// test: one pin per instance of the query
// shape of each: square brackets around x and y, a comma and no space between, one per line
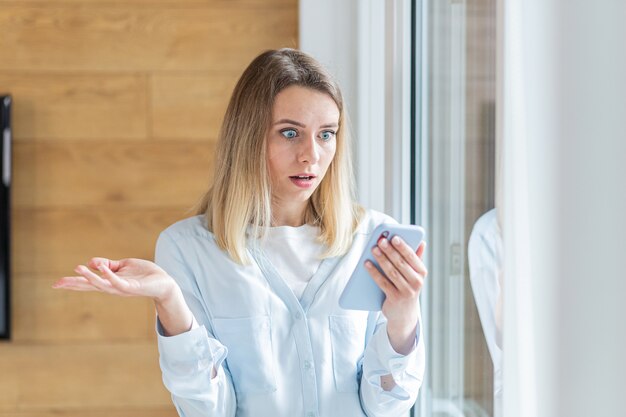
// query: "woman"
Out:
[246,292]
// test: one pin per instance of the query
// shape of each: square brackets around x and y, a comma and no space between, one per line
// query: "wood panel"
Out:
[169,411]
[189,105]
[9,393]
[259,4]
[72,376]
[117,104]
[67,316]
[140,38]
[75,106]
[68,173]
[54,240]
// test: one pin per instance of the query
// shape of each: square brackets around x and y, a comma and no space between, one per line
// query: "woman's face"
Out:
[301,143]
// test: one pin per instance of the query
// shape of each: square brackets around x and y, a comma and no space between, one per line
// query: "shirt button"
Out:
[310,414]
[307,365]
[298,316]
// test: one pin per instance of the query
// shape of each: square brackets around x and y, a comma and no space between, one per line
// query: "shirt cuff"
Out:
[393,362]
[192,348]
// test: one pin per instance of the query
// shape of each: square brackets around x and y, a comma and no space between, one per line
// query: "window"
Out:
[455,109]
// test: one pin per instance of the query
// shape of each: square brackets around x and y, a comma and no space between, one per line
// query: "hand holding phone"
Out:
[361,292]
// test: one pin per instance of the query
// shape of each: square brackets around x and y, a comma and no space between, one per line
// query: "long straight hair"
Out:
[241,194]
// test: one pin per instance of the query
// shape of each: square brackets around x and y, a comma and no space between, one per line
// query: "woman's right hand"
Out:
[134,277]
[125,277]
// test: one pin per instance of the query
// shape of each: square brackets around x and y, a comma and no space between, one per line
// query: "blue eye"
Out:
[289,133]
[327,135]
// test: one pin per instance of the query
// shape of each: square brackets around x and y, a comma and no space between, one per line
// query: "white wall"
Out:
[364,44]
[564,127]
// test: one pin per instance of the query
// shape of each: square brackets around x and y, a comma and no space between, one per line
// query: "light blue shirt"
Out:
[276,355]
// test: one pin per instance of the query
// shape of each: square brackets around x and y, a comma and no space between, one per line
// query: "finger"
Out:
[120,284]
[412,258]
[390,271]
[94,263]
[74,283]
[406,271]
[383,283]
[420,250]
[95,279]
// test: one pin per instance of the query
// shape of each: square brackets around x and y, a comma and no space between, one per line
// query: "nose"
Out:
[309,150]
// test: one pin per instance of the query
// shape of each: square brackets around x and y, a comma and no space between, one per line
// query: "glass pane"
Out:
[458,153]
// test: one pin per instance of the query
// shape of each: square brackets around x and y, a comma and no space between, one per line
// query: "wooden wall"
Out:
[117,105]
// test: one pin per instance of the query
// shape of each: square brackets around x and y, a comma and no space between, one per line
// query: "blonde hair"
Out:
[241,192]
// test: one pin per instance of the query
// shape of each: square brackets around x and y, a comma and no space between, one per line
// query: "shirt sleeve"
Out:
[187,360]
[407,371]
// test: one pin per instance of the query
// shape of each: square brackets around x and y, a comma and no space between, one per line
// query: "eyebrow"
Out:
[293,122]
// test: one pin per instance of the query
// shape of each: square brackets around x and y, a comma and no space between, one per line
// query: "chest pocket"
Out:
[250,359]
[347,335]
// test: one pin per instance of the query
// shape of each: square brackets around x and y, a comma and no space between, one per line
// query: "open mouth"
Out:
[303,181]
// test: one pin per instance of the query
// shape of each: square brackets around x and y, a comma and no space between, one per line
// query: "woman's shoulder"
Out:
[189,227]
[486,232]
[486,225]
[372,218]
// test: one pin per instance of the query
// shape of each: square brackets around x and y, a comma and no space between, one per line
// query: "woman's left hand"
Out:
[403,278]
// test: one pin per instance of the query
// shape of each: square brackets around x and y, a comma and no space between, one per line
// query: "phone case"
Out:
[361,292]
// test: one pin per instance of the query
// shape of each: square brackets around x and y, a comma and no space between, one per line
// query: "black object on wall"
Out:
[5,216]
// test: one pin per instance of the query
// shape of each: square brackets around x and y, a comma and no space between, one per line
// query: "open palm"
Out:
[124,277]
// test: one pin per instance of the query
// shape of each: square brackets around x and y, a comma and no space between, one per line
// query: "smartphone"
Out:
[362,292]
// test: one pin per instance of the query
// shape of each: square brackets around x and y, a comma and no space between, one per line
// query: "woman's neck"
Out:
[288,216]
